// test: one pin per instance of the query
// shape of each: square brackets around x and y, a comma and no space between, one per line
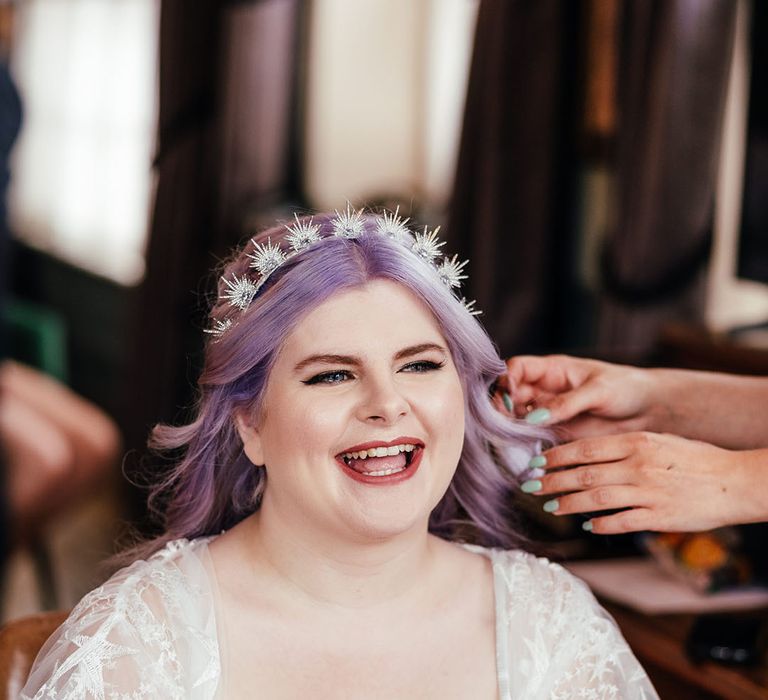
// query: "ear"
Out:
[251,439]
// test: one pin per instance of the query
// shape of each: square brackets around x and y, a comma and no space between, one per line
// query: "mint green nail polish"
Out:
[531,486]
[587,526]
[551,506]
[540,415]
[507,401]
[537,462]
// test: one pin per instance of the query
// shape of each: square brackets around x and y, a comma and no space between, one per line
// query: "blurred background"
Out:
[602,163]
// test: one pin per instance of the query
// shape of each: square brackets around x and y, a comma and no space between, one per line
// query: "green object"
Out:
[531,486]
[540,415]
[551,506]
[37,337]
[537,462]
[507,401]
[587,525]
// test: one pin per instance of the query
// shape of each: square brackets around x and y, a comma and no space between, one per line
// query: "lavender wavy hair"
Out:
[214,485]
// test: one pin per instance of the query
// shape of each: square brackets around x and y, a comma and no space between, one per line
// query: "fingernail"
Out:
[531,486]
[507,401]
[537,462]
[587,525]
[551,506]
[539,415]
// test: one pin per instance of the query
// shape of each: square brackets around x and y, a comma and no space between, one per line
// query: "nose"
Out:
[383,401]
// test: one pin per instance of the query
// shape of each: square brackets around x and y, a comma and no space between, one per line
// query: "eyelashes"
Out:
[338,376]
[421,366]
[334,377]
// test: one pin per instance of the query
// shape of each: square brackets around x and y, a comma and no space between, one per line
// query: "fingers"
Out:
[530,376]
[565,386]
[533,369]
[632,520]
[594,450]
[597,499]
[589,397]
[582,479]
[593,475]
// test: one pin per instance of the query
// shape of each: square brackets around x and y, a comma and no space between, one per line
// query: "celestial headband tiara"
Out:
[267,257]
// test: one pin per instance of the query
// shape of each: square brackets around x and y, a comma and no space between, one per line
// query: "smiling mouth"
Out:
[381,461]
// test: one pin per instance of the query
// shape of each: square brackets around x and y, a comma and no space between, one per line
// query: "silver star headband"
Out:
[268,257]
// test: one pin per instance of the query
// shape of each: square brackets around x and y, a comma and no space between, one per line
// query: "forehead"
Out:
[381,315]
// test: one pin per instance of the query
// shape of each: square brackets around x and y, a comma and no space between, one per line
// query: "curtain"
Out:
[543,148]
[511,201]
[181,227]
[225,149]
[674,64]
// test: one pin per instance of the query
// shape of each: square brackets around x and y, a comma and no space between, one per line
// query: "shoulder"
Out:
[539,589]
[136,634]
[160,586]
[559,637]
[526,578]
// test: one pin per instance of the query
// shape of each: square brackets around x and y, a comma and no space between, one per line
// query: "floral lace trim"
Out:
[122,641]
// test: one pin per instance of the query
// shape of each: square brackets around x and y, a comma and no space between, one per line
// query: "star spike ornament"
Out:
[427,245]
[219,327]
[450,271]
[266,257]
[470,307]
[348,224]
[302,234]
[240,292]
[393,225]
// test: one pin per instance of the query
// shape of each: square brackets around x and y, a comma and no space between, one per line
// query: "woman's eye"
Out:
[422,366]
[334,377]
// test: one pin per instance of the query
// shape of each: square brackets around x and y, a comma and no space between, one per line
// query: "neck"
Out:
[340,572]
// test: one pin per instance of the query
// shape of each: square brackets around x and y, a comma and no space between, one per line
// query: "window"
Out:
[81,178]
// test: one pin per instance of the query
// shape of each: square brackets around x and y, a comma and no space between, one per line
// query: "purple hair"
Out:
[215,486]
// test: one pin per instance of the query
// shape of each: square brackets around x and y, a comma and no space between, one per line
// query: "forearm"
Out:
[724,409]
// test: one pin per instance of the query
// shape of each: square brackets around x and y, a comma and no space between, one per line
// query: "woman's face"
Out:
[363,419]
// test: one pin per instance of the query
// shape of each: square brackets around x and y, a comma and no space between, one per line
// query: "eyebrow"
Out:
[330,359]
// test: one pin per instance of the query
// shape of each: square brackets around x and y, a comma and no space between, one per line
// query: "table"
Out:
[658,642]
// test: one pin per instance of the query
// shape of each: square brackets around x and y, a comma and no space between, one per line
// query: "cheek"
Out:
[298,427]
[447,410]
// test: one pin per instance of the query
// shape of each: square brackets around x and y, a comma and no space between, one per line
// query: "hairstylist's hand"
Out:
[665,483]
[586,397]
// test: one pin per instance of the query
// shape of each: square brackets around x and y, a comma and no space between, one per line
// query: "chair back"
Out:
[20,641]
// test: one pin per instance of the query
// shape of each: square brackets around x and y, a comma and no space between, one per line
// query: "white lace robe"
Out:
[150,632]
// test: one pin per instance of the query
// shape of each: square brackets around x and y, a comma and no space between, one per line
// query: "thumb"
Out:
[563,407]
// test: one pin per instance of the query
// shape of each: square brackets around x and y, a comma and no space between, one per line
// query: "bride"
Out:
[339,525]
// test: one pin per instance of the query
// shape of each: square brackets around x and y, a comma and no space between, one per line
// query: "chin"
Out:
[378,521]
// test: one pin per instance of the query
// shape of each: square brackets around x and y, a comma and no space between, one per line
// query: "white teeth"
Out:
[379,451]
[384,472]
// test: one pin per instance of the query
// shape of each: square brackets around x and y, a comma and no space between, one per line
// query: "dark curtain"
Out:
[181,229]
[673,70]
[753,243]
[512,199]
[528,140]
[227,83]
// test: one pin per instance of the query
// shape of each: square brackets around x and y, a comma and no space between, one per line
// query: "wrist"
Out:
[659,413]
[752,496]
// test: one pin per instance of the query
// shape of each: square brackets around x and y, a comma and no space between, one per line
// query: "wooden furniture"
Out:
[20,641]
[659,643]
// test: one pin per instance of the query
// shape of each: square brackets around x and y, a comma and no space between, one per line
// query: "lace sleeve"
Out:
[147,633]
[572,648]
